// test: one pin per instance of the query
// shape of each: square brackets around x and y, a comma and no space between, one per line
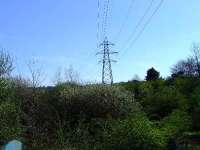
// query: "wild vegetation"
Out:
[155,114]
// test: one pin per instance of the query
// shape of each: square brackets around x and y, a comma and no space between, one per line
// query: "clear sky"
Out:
[60,33]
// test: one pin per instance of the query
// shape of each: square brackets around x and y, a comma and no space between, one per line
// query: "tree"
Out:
[189,67]
[66,75]
[196,57]
[36,73]
[6,64]
[71,75]
[184,67]
[152,74]
[58,76]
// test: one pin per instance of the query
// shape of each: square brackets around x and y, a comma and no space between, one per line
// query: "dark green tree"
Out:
[152,74]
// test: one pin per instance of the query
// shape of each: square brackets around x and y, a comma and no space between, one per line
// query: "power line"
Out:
[145,25]
[101,23]
[105,17]
[101,20]
[125,20]
[98,23]
[107,74]
[141,20]
[82,66]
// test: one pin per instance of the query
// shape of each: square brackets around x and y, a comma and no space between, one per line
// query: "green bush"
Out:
[161,102]
[71,114]
[186,85]
[93,102]
[41,122]
[196,118]
[6,90]
[176,124]
[10,126]
[86,109]
[85,136]
[195,108]
[135,132]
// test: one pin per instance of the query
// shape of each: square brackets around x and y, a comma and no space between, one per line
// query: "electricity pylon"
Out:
[107,75]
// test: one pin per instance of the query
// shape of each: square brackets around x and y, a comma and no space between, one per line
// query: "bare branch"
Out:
[71,75]
[36,72]
[6,64]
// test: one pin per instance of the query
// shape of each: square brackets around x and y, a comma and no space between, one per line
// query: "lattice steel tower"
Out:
[107,75]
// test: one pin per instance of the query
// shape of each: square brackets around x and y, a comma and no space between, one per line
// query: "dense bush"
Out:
[6,90]
[176,124]
[71,114]
[10,125]
[195,108]
[133,87]
[93,102]
[186,85]
[135,132]
[161,102]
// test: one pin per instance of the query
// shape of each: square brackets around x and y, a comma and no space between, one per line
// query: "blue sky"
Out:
[60,33]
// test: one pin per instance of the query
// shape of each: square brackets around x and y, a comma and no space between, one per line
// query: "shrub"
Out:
[6,90]
[10,126]
[186,85]
[174,126]
[93,102]
[85,136]
[176,123]
[196,118]
[135,132]
[41,122]
[71,114]
[161,102]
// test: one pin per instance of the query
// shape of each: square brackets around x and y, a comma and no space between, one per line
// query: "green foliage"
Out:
[135,132]
[86,135]
[10,126]
[41,121]
[176,124]
[6,89]
[186,85]
[195,108]
[195,96]
[162,101]
[71,114]
[132,87]
[93,102]
[134,115]
[196,118]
